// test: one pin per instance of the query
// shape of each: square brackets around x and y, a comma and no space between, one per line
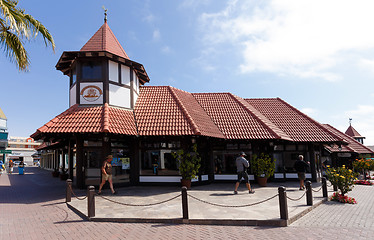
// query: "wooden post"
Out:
[184,203]
[283,203]
[68,190]
[91,201]
[324,187]
[309,195]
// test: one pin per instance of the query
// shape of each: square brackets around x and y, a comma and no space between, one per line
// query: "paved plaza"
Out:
[32,206]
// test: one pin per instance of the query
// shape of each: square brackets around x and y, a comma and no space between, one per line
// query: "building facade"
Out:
[112,112]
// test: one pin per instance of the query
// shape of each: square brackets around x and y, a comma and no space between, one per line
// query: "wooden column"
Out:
[79,158]
[134,160]
[71,160]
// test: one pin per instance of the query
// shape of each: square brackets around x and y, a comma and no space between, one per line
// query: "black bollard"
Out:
[91,202]
[283,203]
[309,195]
[68,190]
[184,203]
[335,188]
[324,187]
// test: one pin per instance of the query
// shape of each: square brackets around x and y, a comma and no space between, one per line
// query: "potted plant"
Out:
[64,174]
[55,173]
[189,165]
[262,167]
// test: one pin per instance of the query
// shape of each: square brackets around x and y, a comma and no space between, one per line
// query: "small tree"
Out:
[189,162]
[343,178]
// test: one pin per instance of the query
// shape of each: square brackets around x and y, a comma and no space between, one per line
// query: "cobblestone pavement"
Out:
[32,207]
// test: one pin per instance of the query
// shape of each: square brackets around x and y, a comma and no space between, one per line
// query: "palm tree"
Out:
[15,27]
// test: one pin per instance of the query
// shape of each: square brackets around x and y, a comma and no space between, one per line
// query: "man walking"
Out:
[241,166]
[301,167]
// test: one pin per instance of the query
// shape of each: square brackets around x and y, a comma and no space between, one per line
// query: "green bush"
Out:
[189,162]
[263,165]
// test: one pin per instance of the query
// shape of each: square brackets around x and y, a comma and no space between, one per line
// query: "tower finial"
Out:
[350,121]
[105,14]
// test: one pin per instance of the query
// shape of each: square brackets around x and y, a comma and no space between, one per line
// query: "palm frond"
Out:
[36,27]
[14,49]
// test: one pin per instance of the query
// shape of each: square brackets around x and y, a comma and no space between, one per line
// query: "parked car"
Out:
[15,163]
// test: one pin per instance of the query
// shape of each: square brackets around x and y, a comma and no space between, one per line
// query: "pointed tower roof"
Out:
[104,40]
[352,132]
[2,115]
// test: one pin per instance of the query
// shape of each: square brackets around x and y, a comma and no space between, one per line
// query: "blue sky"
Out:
[316,55]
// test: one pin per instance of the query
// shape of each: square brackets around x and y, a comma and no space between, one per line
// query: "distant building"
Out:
[3,135]
[22,149]
[353,133]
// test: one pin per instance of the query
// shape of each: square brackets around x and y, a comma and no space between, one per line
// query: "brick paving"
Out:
[32,207]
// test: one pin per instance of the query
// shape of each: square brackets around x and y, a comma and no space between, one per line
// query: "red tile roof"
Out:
[352,132]
[78,119]
[353,145]
[164,110]
[237,119]
[104,40]
[294,123]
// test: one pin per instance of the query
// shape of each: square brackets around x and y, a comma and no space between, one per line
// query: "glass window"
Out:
[74,76]
[125,75]
[91,70]
[159,162]
[121,165]
[113,71]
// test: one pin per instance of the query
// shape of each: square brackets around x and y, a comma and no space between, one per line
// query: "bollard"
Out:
[68,190]
[324,187]
[283,203]
[335,188]
[309,195]
[184,203]
[91,201]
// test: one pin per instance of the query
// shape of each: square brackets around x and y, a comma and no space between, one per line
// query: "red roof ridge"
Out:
[106,117]
[319,125]
[184,110]
[54,120]
[261,118]
[351,138]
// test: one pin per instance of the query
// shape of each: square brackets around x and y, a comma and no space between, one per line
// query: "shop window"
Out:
[225,163]
[121,165]
[159,162]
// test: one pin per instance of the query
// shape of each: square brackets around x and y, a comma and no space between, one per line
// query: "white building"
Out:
[22,148]
[3,135]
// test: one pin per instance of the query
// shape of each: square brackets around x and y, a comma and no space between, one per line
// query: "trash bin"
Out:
[20,170]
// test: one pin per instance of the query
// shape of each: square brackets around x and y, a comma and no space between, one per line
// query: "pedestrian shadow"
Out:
[71,221]
[221,194]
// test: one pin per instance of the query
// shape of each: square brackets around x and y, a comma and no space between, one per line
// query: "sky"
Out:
[316,55]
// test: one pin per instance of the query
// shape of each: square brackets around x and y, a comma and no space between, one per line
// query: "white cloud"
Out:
[306,39]
[166,50]
[156,35]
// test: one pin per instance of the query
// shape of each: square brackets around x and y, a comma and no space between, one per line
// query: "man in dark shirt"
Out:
[301,167]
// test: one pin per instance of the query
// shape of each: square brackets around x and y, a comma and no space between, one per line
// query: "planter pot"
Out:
[262,181]
[55,174]
[186,183]
[64,176]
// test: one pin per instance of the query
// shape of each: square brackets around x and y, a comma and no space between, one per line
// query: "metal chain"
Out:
[329,185]
[79,198]
[139,205]
[297,199]
[232,206]
[317,190]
